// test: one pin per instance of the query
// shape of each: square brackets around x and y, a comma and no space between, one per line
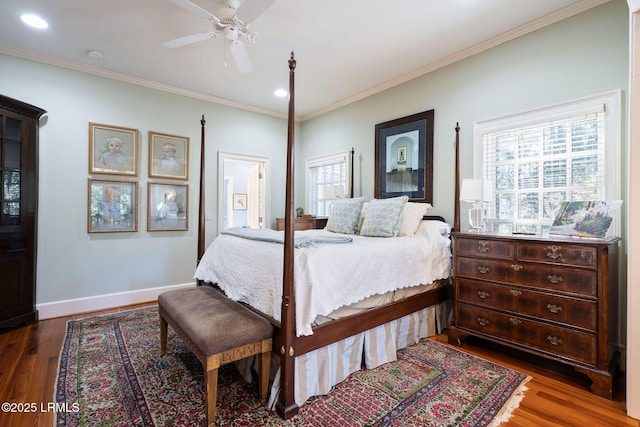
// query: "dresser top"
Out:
[540,238]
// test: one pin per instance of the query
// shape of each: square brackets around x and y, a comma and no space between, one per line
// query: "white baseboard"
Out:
[50,310]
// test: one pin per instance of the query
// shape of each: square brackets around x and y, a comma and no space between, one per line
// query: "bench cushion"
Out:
[213,322]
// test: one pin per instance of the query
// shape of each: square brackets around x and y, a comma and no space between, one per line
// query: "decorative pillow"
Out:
[363,213]
[411,216]
[383,217]
[344,216]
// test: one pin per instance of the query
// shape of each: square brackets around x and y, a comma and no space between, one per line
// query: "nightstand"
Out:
[303,223]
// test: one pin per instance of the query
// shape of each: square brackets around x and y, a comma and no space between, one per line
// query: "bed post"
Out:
[201,212]
[456,194]
[286,406]
[351,192]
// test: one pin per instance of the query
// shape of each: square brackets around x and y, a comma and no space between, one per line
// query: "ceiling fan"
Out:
[231,19]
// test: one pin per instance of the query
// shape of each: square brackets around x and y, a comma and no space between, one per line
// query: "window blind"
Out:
[538,166]
[327,180]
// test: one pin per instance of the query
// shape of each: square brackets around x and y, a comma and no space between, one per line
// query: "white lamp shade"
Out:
[475,190]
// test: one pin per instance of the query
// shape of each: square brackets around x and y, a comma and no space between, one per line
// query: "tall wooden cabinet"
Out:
[18,211]
[551,296]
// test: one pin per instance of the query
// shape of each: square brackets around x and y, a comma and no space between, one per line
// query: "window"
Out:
[327,179]
[541,158]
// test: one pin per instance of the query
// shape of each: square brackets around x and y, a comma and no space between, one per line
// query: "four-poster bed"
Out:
[402,316]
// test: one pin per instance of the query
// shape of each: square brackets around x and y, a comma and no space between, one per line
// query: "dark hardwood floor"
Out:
[555,396]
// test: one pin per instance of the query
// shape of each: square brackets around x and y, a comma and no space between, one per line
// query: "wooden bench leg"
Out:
[163,335]
[212,395]
[264,365]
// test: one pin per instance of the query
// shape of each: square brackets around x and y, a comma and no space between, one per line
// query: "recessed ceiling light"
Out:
[95,54]
[280,93]
[34,21]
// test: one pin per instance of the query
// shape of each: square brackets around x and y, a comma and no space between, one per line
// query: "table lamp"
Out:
[478,192]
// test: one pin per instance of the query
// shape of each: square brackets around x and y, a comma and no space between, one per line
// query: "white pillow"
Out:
[383,217]
[344,216]
[363,213]
[411,216]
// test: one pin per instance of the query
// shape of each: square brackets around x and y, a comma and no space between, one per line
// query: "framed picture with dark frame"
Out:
[168,156]
[168,207]
[404,158]
[113,150]
[112,206]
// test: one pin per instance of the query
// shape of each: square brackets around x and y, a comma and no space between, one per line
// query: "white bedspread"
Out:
[325,277]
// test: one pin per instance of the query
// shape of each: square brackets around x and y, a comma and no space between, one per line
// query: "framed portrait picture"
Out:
[168,207]
[404,158]
[168,156]
[239,202]
[112,206]
[113,150]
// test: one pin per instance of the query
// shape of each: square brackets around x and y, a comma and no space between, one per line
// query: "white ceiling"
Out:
[345,49]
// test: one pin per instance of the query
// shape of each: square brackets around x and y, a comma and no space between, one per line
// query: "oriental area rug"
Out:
[111,374]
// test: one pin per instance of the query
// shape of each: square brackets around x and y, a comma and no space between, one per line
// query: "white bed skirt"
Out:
[318,371]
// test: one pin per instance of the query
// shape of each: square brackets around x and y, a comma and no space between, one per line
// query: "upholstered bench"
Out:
[218,331]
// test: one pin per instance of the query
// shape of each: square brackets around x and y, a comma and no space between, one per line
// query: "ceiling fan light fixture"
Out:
[231,33]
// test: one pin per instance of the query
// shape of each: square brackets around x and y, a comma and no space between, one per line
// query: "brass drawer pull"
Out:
[515,292]
[482,269]
[483,294]
[483,246]
[515,321]
[483,322]
[555,279]
[555,309]
[554,340]
[554,252]
[516,267]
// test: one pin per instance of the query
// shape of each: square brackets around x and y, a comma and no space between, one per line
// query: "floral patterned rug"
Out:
[111,374]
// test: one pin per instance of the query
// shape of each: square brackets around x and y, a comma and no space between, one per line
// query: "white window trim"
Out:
[322,161]
[610,101]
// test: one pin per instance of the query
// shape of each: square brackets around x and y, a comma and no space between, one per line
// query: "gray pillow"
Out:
[344,215]
[383,217]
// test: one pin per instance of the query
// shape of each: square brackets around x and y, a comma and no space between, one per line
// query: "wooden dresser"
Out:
[551,296]
[303,223]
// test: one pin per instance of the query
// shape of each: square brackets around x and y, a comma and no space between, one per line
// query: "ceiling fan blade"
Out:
[251,9]
[193,38]
[193,8]
[240,56]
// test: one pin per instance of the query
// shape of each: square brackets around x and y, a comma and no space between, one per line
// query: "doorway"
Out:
[242,191]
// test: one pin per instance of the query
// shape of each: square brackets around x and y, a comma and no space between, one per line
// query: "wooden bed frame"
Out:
[285,341]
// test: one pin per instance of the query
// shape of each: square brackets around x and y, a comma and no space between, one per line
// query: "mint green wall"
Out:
[73,264]
[583,55]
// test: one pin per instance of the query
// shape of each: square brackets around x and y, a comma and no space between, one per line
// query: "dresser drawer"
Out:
[562,279]
[574,345]
[577,255]
[500,249]
[570,311]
